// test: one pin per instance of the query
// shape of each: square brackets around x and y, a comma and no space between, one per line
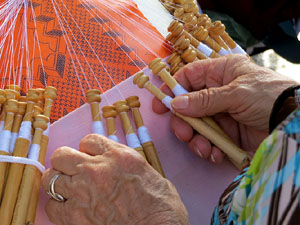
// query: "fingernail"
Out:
[212,158]
[198,151]
[180,102]
[177,136]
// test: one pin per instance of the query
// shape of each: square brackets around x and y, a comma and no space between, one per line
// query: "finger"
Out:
[181,129]
[66,160]
[211,72]
[157,105]
[230,126]
[217,156]
[95,144]
[200,146]
[62,184]
[206,102]
[55,211]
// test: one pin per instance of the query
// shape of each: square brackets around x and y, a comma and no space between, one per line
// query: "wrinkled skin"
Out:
[106,183]
[238,93]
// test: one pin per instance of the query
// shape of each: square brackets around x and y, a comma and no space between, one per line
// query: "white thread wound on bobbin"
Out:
[4,140]
[238,50]
[34,152]
[21,160]
[204,49]
[223,52]
[97,127]
[1,125]
[179,90]
[144,134]
[12,143]
[25,130]
[46,132]
[167,102]
[114,138]
[133,141]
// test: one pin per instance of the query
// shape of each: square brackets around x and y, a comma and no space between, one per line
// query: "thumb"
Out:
[206,102]
[94,144]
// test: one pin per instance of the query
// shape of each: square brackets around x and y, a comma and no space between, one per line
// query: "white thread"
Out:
[25,130]
[46,132]
[167,102]
[97,128]
[204,49]
[133,141]
[34,152]
[223,52]
[21,160]
[12,143]
[1,125]
[114,138]
[144,134]
[179,90]
[238,50]
[4,140]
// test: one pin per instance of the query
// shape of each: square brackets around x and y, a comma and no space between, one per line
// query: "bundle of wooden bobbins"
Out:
[24,128]
[142,142]
[205,126]
[194,36]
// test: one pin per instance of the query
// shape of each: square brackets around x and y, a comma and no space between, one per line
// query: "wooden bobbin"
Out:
[122,109]
[24,197]
[178,13]
[11,109]
[176,28]
[40,102]
[13,87]
[17,122]
[12,94]
[234,153]
[22,99]
[175,62]
[204,20]
[158,68]
[2,102]
[219,29]
[201,34]
[110,113]
[2,98]
[190,7]
[15,172]
[149,148]
[93,98]
[215,32]
[49,96]
[184,43]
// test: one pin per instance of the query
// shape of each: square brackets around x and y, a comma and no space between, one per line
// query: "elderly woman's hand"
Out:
[239,93]
[107,183]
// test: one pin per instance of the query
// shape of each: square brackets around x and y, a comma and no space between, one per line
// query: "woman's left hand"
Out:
[109,183]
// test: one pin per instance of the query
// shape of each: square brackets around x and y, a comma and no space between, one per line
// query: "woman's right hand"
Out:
[238,93]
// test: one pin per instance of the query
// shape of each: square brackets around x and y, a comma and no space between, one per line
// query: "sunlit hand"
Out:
[238,93]
[106,183]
